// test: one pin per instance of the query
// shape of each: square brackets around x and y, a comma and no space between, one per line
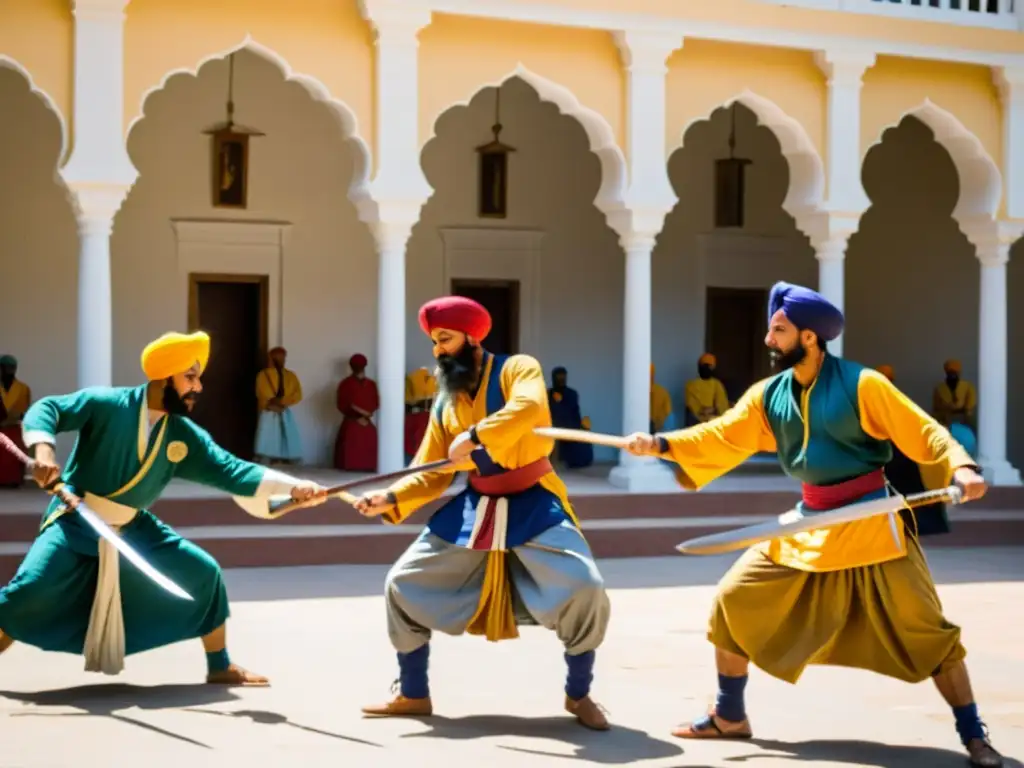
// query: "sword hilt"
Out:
[56,488]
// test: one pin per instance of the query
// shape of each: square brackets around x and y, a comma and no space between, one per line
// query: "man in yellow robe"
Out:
[507,549]
[661,405]
[705,395]
[854,595]
[15,398]
[278,390]
[420,388]
[954,400]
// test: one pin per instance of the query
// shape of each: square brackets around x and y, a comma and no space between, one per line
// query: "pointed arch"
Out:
[8,63]
[806,169]
[611,194]
[348,123]
[981,183]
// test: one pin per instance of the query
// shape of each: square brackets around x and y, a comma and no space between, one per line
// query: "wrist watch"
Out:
[473,437]
[662,443]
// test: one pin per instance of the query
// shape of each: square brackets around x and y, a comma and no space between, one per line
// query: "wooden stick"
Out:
[581,436]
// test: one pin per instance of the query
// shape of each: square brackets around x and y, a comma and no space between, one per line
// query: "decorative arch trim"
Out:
[614,176]
[806,168]
[359,189]
[8,63]
[981,183]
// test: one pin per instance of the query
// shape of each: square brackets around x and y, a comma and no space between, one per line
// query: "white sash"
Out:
[104,639]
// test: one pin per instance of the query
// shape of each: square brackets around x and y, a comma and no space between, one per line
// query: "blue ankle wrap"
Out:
[413,673]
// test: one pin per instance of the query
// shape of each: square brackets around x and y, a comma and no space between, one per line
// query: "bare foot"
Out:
[711,726]
[235,675]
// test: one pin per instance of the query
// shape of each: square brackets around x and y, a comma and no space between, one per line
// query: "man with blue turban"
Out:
[853,595]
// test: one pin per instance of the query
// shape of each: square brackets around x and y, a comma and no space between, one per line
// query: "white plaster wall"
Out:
[299,172]
[553,179]
[38,244]
[912,280]
[680,279]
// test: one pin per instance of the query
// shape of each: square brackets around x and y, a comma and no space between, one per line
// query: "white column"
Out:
[398,192]
[1010,83]
[99,174]
[647,200]
[845,200]
[391,242]
[993,253]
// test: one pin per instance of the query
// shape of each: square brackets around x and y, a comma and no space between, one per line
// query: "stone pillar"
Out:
[99,174]
[1010,83]
[993,241]
[397,193]
[647,200]
[845,198]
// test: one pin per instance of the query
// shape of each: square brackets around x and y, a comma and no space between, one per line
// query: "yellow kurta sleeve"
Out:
[17,400]
[292,389]
[526,405]
[266,388]
[415,491]
[709,450]
[888,414]
[721,397]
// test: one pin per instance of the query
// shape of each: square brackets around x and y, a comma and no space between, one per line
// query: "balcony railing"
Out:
[994,14]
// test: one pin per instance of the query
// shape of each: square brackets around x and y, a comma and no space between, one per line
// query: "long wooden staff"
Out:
[581,436]
[276,507]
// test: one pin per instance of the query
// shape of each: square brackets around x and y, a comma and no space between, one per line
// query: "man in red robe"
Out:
[355,450]
[15,398]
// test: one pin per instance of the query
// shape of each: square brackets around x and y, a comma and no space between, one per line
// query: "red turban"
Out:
[358,362]
[456,313]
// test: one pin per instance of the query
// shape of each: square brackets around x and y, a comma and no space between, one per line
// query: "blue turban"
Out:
[10,360]
[806,309]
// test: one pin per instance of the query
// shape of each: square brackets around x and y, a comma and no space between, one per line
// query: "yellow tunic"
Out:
[16,399]
[266,388]
[661,405]
[420,385]
[946,405]
[703,394]
[507,435]
[709,450]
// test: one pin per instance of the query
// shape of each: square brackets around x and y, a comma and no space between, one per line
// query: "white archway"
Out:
[981,184]
[8,63]
[806,168]
[611,193]
[359,190]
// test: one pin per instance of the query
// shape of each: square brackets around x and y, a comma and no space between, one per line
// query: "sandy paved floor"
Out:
[319,633]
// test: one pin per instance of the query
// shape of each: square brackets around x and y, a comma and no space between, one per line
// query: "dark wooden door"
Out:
[735,327]
[233,310]
[501,299]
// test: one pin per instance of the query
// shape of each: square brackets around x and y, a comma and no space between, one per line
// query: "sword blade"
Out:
[783,525]
[130,554]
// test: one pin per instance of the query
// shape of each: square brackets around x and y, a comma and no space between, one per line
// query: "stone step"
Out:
[620,525]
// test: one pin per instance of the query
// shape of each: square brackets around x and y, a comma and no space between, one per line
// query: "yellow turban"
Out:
[951,366]
[887,371]
[175,353]
[707,359]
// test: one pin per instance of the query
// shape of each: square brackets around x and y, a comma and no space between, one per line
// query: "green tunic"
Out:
[118,456]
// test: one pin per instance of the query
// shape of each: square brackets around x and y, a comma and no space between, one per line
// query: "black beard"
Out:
[176,404]
[7,381]
[704,372]
[457,373]
[783,361]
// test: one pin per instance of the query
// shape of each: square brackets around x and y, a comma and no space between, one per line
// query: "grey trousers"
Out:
[435,586]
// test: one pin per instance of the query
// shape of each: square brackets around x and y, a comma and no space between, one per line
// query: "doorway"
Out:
[501,299]
[735,324]
[233,310]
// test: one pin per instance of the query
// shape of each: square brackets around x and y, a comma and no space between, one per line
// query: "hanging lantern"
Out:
[730,184]
[492,162]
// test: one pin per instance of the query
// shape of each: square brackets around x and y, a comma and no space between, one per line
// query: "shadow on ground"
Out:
[858,753]
[619,746]
[112,701]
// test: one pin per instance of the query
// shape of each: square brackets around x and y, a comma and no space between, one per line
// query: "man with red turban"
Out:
[508,549]
[355,449]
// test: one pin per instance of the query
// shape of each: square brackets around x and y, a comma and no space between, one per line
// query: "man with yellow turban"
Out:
[69,593]
[505,551]
[705,395]
[954,399]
